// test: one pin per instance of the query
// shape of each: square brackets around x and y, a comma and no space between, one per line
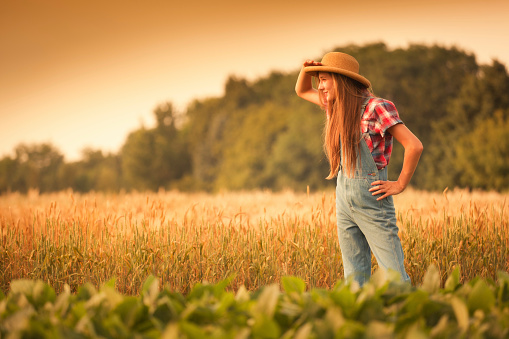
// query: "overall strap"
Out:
[365,163]
[364,104]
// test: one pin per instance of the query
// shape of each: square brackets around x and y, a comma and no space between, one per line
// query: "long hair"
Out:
[342,130]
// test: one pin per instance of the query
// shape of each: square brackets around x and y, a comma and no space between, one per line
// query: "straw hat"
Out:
[336,62]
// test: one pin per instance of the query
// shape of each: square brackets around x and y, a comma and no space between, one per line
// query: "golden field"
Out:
[185,238]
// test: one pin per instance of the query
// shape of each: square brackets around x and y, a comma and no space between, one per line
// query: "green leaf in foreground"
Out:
[390,309]
[293,284]
[431,280]
[37,292]
[453,280]
[481,297]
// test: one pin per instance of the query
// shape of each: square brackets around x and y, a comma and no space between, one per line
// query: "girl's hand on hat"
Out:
[386,188]
[309,62]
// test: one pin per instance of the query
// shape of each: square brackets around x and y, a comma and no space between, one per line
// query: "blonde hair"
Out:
[342,130]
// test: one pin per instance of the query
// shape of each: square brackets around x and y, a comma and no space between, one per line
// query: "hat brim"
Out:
[314,70]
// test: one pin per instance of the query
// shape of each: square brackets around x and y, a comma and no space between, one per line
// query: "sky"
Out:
[84,74]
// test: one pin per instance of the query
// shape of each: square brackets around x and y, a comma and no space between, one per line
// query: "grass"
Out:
[69,239]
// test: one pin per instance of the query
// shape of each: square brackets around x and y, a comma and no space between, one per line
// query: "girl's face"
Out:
[326,86]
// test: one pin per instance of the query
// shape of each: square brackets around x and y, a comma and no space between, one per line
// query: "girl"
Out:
[358,144]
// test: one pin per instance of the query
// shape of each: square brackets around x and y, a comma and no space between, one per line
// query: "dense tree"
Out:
[248,146]
[95,171]
[154,158]
[482,94]
[37,167]
[8,177]
[297,159]
[136,155]
[483,154]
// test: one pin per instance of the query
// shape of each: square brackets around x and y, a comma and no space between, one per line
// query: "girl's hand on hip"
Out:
[386,188]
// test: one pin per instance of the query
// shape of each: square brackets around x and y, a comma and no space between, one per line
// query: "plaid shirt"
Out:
[378,116]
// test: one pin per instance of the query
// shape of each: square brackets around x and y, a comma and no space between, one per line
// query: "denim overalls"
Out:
[365,224]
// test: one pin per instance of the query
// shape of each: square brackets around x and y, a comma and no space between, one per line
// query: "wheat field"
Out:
[68,238]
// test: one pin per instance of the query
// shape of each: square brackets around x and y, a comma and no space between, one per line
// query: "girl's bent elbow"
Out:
[414,147]
[418,147]
[301,94]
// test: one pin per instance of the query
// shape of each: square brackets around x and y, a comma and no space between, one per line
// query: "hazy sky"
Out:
[85,73]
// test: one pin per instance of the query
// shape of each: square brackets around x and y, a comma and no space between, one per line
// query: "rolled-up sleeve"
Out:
[387,116]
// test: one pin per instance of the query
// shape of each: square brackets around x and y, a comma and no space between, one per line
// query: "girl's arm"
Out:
[413,149]
[304,87]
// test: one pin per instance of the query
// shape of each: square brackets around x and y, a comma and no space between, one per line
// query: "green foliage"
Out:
[137,155]
[481,100]
[381,308]
[95,172]
[8,178]
[247,147]
[34,167]
[153,158]
[483,154]
[297,159]
[204,131]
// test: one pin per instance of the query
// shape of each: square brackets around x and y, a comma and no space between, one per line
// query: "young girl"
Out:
[358,144]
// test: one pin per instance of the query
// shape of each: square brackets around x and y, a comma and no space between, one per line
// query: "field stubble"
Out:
[261,236]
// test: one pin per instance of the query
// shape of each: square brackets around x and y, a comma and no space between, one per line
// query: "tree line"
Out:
[259,134]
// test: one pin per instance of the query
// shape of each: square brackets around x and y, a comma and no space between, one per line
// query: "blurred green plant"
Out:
[384,307]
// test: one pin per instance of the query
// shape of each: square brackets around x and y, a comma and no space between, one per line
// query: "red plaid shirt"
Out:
[378,116]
